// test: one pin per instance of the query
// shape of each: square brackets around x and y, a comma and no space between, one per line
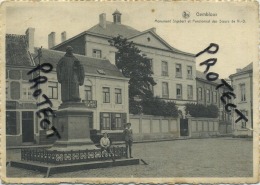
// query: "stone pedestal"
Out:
[73,126]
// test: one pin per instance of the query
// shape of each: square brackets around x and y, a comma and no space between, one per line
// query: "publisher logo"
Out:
[186,14]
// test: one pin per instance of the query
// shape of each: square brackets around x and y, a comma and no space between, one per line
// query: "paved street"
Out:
[216,157]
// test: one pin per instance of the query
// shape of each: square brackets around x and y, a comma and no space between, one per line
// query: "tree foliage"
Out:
[199,110]
[154,106]
[134,65]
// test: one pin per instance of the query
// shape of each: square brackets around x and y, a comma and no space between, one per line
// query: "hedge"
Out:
[154,106]
[199,110]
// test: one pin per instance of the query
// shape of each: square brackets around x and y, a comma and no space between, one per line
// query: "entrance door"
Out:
[184,127]
[27,126]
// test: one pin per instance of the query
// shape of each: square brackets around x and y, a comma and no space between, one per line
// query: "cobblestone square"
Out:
[214,157]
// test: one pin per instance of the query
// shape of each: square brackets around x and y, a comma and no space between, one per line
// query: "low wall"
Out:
[225,129]
[203,127]
[148,127]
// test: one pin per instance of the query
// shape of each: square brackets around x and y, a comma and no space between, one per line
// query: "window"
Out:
[151,64]
[117,19]
[179,91]
[165,90]
[96,53]
[26,92]
[106,95]
[105,121]
[118,96]
[15,90]
[11,119]
[208,95]
[221,115]
[189,72]
[178,71]
[243,123]
[112,121]
[199,93]
[215,97]
[15,74]
[88,92]
[25,76]
[243,92]
[190,92]
[101,71]
[53,90]
[117,122]
[164,68]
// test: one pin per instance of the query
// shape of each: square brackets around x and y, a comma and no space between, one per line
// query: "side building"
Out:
[105,91]
[208,95]
[174,70]
[242,82]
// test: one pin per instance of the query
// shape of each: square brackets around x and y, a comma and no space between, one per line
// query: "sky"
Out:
[237,41]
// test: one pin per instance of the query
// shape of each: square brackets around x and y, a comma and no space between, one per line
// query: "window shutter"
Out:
[124,120]
[101,120]
[113,121]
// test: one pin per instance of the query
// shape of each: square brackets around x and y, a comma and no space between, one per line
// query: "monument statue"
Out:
[70,74]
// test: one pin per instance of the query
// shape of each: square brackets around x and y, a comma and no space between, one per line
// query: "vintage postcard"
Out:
[129,92]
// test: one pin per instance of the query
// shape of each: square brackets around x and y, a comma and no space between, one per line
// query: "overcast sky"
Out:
[237,41]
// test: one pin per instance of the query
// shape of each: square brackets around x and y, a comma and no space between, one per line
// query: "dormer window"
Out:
[101,71]
[96,53]
[117,17]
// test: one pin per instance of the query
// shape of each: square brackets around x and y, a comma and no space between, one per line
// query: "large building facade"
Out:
[105,91]
[208,95]
[242,82]
[174,70]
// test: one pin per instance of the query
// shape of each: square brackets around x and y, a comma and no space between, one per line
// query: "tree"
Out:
[135,66]
[199,110]
[158,107]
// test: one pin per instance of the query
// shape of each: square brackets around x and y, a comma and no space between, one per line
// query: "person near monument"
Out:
[70,74]
[128,137]
[105,145]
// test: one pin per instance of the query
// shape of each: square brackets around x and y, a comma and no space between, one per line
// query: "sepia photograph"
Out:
[120,92]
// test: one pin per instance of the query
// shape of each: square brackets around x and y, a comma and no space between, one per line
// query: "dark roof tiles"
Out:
[91,65]
[16,50]
[113,30]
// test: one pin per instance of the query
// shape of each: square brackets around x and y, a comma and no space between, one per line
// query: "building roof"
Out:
[247,69]
[91,65]
[116,12]
[151,31]
[113,30]
[16,50]
[202,76]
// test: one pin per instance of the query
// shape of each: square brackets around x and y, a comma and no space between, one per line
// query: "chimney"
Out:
[30,39]
[153,29]
[102,20]
[51,39]
[238,70]
[63,36]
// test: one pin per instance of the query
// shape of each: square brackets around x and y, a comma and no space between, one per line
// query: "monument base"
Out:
[73,120]
[77,144]
[51,169]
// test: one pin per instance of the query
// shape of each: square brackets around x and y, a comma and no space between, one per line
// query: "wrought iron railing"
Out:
[90,103]
[73,156]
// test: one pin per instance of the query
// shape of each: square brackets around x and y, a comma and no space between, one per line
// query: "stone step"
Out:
[61,168]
